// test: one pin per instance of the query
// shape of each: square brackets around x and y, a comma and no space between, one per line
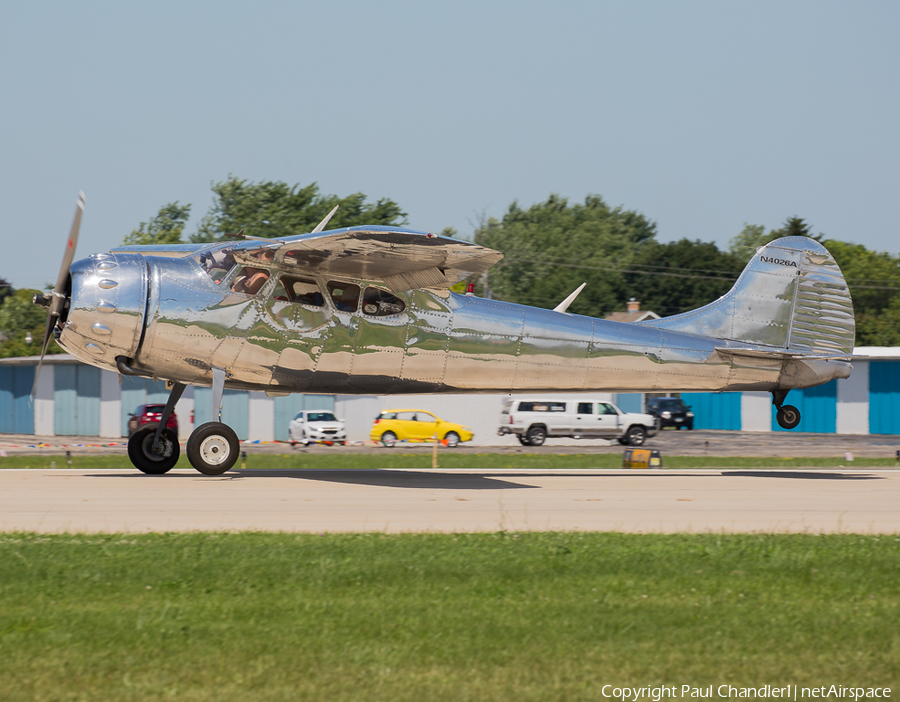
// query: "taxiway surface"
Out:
[772,501]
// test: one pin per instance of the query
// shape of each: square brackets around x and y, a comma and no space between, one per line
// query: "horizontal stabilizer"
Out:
[780,354]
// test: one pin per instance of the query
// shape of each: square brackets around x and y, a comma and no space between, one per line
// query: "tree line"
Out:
[549,249]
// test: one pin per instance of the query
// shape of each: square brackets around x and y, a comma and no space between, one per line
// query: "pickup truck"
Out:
[533,421]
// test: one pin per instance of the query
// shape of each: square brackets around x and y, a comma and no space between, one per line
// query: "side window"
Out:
[542,407]
[381,303]
[344,295]
[217,263]
[606,409]
[301,290]
[249,280]
[585,408]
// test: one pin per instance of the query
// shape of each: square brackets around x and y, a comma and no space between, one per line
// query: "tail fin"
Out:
[792,295]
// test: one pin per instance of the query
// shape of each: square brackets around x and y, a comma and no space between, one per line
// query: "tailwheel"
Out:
[150,459]
[787,416]
[213,448]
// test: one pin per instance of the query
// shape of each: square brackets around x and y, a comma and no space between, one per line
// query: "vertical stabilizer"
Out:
[792,295]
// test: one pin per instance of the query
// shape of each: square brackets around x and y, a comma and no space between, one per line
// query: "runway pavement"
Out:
[317,501]
[669,442]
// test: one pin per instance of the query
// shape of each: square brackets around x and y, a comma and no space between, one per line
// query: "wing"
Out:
[400,258]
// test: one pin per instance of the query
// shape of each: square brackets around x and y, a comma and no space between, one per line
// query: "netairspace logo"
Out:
[788,692]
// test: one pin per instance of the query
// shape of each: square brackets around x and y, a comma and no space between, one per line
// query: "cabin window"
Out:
[380,303]
[249,280]
[304,291]
[585,408]
[217,263]
[345,296]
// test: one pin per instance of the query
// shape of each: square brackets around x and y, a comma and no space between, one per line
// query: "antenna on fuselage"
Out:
[321,225]
[564,305]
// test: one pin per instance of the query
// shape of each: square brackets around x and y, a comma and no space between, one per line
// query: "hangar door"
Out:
[16,413]
[715,410]
[884,397]
[76,397]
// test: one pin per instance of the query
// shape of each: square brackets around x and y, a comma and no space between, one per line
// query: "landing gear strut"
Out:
[154,450]
[787,416]
[212,448]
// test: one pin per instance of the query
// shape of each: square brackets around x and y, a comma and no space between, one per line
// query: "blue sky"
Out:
[701,115]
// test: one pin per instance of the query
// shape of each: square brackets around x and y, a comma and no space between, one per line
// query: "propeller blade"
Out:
[68,255]
[321,225]
[58,294]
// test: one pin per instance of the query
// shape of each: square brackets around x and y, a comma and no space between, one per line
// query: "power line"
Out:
[863,284]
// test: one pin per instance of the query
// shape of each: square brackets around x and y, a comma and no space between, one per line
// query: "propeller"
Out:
[56,299]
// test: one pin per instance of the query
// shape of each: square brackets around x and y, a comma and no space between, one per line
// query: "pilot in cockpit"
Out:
[219,260]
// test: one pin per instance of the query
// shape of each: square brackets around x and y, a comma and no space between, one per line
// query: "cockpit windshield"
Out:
[216,262]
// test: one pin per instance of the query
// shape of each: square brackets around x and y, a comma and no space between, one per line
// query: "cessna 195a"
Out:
[368,310]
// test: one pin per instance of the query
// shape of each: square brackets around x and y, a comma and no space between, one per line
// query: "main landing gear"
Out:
[787,416]
[212,448]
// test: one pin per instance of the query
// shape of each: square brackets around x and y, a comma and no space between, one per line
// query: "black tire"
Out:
[213,448]
[388,439]
[636,435]
[536,436]
[788,417]
[523,440]
[140,450]
[452,439]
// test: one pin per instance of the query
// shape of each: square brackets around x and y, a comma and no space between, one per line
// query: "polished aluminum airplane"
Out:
[369,310]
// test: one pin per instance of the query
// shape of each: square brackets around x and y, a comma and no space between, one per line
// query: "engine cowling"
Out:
[107,306]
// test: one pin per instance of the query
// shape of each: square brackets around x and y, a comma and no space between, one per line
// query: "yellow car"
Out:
[392,426]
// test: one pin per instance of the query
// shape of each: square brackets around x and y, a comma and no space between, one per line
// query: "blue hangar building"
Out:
[74,399]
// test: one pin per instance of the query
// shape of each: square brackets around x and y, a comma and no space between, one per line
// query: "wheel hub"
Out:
[157,451]
[215,450]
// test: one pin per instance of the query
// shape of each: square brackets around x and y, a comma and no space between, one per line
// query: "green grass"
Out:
[440,617]
[449,459]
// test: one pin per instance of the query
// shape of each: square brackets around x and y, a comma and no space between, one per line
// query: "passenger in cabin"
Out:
[250,280]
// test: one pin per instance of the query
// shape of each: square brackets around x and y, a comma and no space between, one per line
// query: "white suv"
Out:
[533,421]
[317,426]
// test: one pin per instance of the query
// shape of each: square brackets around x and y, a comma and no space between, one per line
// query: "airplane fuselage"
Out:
[165,317]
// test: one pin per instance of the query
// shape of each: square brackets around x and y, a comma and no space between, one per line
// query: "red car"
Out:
[150,414]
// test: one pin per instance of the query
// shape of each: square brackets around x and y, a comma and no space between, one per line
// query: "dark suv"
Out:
[671,412]
[150,414]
